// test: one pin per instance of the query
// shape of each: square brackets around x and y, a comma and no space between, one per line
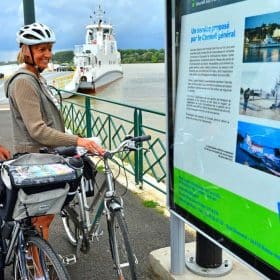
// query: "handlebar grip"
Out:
[142,138]
[107,155]
[66,151]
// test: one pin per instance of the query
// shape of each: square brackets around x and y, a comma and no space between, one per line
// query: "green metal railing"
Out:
[111,121]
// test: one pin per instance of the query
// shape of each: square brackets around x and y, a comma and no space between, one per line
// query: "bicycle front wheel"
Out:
[38,259]
[121,250]
[71,220]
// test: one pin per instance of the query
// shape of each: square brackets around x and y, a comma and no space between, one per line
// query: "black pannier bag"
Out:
[89,173]
[36,184]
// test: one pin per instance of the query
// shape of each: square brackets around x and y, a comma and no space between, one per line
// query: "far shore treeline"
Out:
[127,56]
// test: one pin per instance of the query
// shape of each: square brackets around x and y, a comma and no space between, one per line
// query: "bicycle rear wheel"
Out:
[38,259]
[120,245]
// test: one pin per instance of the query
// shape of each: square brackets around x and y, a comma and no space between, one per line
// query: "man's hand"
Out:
[4,153]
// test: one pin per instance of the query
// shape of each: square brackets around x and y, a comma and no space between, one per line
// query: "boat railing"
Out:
[111,121]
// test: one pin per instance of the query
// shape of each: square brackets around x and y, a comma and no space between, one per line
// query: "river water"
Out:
[271,54]
[142,85]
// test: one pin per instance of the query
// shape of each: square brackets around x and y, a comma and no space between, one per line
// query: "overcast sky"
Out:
[137,23]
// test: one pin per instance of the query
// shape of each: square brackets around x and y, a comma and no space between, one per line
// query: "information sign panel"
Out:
[227,123]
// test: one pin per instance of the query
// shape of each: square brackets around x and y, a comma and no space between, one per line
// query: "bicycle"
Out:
[21,244]
[24,247]
[81,218]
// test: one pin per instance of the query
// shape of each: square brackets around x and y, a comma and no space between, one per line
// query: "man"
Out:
[246,99]
[4,153]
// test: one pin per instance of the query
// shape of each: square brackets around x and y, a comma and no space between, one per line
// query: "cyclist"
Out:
[4,153]
[36,119]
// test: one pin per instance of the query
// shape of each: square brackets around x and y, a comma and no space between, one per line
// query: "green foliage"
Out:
[153,204]
[128,56]
[150,203]
[142,56]
[7,63]
[63,57]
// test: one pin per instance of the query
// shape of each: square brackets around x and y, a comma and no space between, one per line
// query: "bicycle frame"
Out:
[104,196]
[16,239]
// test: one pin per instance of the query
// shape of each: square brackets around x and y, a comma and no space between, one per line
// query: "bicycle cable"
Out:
[125,175]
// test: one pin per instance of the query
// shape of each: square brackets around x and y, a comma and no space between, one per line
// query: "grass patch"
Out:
[160,211]
[150,203]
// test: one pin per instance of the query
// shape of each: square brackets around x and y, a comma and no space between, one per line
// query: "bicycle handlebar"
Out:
[69,151]
[142,138]
[127,144]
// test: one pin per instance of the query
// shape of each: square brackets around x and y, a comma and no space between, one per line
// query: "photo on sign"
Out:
[260,92]
[258,147]
[262,38]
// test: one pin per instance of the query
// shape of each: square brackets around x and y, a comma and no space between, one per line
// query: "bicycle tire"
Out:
[74,225]
[51,266]
[120,245]
[70,226]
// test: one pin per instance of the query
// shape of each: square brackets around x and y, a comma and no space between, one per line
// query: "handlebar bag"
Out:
[36,184]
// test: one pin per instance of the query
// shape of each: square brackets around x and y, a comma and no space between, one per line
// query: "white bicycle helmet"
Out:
[35,33]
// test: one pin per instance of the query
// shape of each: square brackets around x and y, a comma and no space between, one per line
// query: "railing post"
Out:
[139,152]
[136,153]
[72,118]
[110,132]
[88,117]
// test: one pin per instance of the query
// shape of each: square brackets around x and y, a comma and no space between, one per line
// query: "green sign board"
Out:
[227,123]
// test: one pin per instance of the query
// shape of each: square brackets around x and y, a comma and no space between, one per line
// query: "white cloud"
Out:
[138,24]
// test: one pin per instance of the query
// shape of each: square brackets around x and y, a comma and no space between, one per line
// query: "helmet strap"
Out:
[29,58]
[27,55]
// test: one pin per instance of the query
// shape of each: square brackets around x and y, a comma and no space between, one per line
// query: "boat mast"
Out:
[99,13]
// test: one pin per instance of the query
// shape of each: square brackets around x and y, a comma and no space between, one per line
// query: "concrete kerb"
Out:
[4,107]
[160,265]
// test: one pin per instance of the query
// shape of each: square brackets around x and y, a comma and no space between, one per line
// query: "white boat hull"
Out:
[100,81]
[97,61]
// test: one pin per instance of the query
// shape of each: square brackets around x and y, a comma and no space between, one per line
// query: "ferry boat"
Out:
[268,42]
[264,151]
[97,61]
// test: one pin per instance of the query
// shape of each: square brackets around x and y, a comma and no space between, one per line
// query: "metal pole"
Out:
[208,261]
[208,254]
[28,11]
[177,245]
